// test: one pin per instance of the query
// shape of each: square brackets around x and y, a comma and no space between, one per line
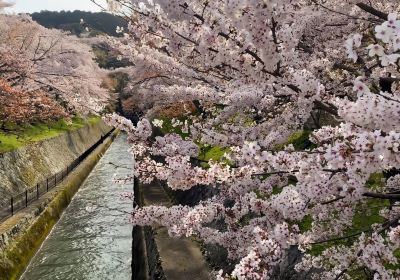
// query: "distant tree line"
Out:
[71,21]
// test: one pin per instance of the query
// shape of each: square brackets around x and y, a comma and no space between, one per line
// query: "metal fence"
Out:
[22,200]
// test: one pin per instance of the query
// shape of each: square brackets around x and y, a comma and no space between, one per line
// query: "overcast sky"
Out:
[30,6]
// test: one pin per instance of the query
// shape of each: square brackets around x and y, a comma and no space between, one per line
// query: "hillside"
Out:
[70,21]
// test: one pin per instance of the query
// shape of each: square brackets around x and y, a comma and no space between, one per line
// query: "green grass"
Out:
[206,152]
[367,214]
[168,128]
[22,136]
[214,153]
[299,140]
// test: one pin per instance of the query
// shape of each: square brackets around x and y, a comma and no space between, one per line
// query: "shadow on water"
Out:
[93,239]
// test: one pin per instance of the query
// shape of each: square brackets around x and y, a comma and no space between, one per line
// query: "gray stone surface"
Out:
[286,270]
[19,234]
[181,258]
[32,164]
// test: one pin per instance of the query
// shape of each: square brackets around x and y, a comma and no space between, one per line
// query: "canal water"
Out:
[93,238]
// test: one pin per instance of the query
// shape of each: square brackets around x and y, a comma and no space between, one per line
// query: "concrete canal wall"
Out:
[22,234]
[27,166]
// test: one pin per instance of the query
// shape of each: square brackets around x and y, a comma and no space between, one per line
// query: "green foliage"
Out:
[366,214]
[120,80]
[375,181]
[299,140]
[21,136]
[206,152]
[214,153]
[98,23]
[306,223]
[168,128]
[108,59]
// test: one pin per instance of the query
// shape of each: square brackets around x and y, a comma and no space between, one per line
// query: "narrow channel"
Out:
[93,238]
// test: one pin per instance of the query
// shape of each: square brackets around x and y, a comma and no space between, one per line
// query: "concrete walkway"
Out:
[181,258]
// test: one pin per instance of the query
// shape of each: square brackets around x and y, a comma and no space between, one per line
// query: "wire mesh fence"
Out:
[23,199]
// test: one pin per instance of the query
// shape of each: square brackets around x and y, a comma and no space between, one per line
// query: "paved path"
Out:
[181,258]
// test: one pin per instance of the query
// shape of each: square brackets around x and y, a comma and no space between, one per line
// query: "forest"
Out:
[99,23]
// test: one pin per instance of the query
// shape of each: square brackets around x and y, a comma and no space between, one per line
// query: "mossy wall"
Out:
[15,258]
[27,166]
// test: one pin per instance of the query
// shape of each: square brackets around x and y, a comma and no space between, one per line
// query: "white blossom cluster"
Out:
[258,71]
[33,57]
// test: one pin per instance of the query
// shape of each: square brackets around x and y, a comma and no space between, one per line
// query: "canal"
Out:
[93,238]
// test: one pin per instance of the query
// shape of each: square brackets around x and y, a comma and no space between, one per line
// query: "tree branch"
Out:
[372,11]
[382,195]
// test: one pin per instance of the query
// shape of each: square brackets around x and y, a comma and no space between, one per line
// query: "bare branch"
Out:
[372,11]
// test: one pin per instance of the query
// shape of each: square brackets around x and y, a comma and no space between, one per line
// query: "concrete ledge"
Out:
[178,258]
[25,167]
[46,211]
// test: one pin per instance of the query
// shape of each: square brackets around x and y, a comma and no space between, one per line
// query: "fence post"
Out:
[70,167]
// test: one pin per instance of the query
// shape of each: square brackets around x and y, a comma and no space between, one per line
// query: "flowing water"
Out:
[93,238]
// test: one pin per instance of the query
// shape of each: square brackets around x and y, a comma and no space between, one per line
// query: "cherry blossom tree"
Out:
[33,57]
[258,71]
[18,107]
[4,4]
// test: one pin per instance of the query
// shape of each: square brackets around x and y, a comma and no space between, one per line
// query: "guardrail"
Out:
[22,200]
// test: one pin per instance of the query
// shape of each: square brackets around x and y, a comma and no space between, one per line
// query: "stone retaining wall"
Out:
[22,234]
[32,164]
